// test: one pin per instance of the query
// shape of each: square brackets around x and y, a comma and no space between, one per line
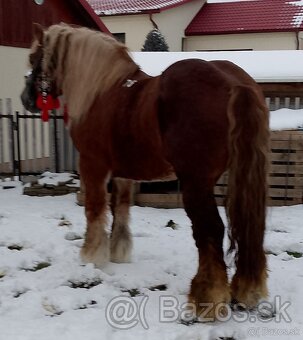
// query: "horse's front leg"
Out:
[121,239]
[96,244]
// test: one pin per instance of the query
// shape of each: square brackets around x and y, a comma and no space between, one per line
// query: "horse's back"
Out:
[216,74]
[198,86]
[200,91]
[235,74]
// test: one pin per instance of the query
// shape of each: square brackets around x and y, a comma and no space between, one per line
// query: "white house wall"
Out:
[253,41]
[13,65]
[171,23]
[135,28]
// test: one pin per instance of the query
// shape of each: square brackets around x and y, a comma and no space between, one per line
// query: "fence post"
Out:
[18,161]
[13,154]
[11,135]
[1,135]
[57,167]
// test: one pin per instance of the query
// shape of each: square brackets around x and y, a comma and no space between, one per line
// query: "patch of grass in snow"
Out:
[295,254]
[91,303]
[15,247]
[171,224]
[86,285]
[64,223]
[158,288]
[280,231]
[38,266]
[191,322]
[18,294]
[132,292]
[135,291]
[270,252]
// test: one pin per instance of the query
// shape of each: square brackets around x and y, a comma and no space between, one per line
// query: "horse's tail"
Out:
[247,184]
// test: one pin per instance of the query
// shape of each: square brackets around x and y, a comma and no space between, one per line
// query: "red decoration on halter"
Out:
[46,103]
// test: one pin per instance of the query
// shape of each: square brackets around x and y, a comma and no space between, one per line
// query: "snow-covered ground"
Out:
[46,293]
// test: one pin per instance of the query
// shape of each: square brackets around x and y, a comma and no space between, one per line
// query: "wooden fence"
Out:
[285,178]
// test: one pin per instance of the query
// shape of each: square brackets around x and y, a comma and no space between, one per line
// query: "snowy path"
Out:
[46,293]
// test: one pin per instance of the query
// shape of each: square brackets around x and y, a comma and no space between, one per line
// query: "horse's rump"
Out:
[191,118]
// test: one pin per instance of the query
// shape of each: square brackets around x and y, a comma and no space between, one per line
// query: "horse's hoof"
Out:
[121,251]
[99,257]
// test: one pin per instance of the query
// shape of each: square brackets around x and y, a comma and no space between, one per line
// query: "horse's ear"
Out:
[38,32]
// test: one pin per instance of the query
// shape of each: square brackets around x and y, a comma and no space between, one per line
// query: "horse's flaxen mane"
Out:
[84,63]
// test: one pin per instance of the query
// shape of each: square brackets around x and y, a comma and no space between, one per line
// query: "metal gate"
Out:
[30,146]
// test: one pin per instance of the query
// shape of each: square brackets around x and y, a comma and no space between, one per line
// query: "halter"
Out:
[130,83]
[45,101]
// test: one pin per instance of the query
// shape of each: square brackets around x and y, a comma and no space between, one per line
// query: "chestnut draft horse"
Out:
[195,120]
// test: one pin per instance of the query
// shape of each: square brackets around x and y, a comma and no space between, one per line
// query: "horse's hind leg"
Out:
[96,245]
[209,289]
[121,240]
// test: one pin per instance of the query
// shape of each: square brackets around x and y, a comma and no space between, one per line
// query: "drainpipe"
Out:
[298,39]
[152,21]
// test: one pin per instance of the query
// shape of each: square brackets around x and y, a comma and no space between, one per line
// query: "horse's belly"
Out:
[145,168]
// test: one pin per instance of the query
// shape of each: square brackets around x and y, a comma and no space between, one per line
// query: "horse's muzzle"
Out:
[28,102]
[29,95]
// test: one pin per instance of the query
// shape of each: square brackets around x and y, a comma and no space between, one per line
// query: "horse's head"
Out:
[76,62]
[37,81]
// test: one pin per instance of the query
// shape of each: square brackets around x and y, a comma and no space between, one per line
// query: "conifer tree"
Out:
[155,41]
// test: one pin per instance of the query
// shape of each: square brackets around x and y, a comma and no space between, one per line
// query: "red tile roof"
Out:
[119,7]
[248,17]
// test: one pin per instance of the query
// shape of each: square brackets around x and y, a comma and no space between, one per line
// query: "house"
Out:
[16,18]
[246,25]
[206,26]
[131,21]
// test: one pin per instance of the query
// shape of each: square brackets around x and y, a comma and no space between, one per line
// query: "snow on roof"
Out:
[118,7]
[247,16]
[263,66]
